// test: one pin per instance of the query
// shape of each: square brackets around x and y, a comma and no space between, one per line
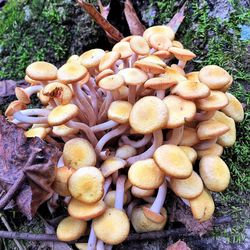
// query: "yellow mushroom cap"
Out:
[84,211]
[163,54]
[61,92]
[214,76]
[70,229]
[111,165]
[234,108]
[111,82]
[82,246]
[193,76]
[214,173]
[159,41]
[202,206]
[14,107]
[63,130]
[78,153]
[160,83]
[159,29]
[191,90]
[177,44]
[149,67]
[229,138]
[31,81]
[62,114]
[124,49]
[109,198]
[103,74]
[178,68]
[112,227]
[227,86]
[189,137]
[36,132]
[42,71]
[182,54]
[139,45]
[60,184]
[119,111]
[188,188]
[43,98]
[145,174]
[179,110]
[71,72]
[125,151]
[215,101]
[142,224]
[108,60]
[211,129]
[74,59]
[173,73]
[141,193]
[215,150]
[92,58]
[154,60]
[190,153]
[86,184]
[133,76]
[173,161]
[148,115]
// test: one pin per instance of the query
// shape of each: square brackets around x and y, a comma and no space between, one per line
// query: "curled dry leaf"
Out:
[26,169]
[183,214]
[179,245]
[177,19]
[135,26]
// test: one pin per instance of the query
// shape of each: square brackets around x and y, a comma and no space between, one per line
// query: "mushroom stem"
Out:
[60,162]
[93,96]
[104,126]
[119,193]
[33,89]
[86,129]
[92,239]
[205,144]
[185,202]
[25,116]
[132,93]
[107,137]
[139,90]
[100,245]
[108,247]
[87,106]
[137,144]
[131,206]
[149,199]
[105,154]
[175,136]
[106,186]
[160,198]
[160,93]
[182,64]
[105,106]
[204,115]
[158,140]
[132,60]
[81,114]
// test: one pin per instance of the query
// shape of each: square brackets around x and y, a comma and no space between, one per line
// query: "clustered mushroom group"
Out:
[130,123]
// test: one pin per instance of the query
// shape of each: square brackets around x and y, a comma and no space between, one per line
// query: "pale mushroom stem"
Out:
[204,115]
[132,93]
[160,93]
[108,247]
[175,136]
[92,239]
[88,108]
[126,63]
[132,60]
[81,115]
[131,206]
[158,140]
[115,177]
[100,245]
[105,154]
[185,202]
[93,96]
[26,116]
[137,144]
[33,89]
[86,129]
[160,198]
[119,193]
[107,137]
[104,126]
[106,186]
[182,64]
[149,200]
[139,90]
[105,106]
[60,162]
[205,144]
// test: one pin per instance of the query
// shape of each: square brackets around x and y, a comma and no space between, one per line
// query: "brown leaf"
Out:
[135,25]
[7,87]
[184,215]
[26,168]
[99,19]
[179,245]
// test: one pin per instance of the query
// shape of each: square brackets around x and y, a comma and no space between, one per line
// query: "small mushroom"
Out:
[109,198]
[111,165]
[119,111]
[108,60]
[125,151]
[36,132]
[215,149]
[159,29]
[173,161]
[159,41]
[14,107]
[86,184]
[24,95]
[141,193]
[214,173]
[189,137]
[70,229]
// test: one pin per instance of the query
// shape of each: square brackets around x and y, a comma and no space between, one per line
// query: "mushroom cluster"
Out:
[131,122]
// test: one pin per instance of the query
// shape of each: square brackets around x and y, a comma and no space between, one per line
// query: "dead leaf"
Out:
[135,25]
[7,87]
[99,19]
[26,168]
[104,9]
[179,245]
[177,19]
[184,215]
